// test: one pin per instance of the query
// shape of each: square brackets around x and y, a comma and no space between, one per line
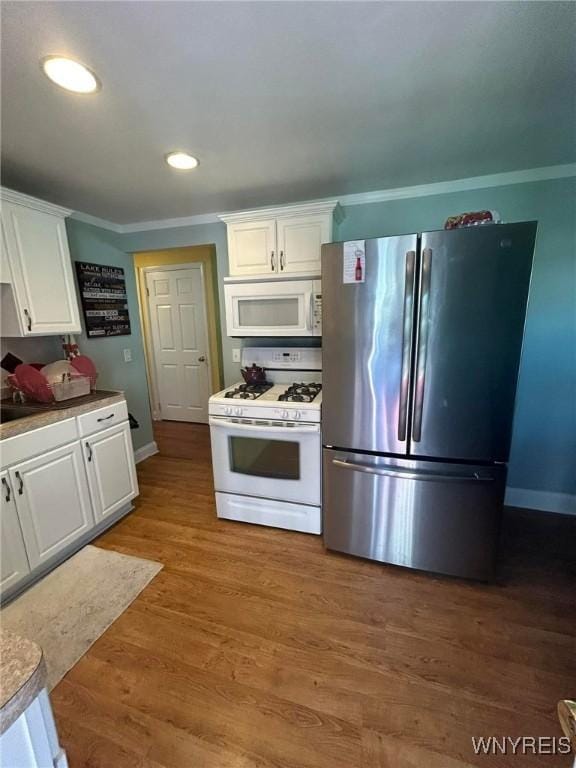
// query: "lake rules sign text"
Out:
[104,299]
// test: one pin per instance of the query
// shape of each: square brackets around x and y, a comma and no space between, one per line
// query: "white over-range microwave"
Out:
[274,308]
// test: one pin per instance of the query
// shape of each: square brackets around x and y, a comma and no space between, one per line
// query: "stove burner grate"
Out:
[248,391]
[301,393]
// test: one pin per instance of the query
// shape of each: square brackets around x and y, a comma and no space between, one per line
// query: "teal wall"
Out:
[543,453]
[99,246]
[544,440]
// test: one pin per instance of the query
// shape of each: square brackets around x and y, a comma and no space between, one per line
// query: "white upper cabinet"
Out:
[252,247]
[279,241]
[299,241]
[39,293]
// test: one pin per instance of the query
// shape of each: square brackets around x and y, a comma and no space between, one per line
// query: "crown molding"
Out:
[87,218]
[546,173]
[11,196]
[184,221]
[279,212]
[462,185]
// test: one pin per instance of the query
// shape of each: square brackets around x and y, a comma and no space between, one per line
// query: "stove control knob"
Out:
[297,415]
[238,411]
[285,414]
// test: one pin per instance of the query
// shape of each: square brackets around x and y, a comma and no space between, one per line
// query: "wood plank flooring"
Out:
[255,648]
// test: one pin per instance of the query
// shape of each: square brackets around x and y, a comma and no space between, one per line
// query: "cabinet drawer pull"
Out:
[281,261]
[89,449]
[28,319]
[21,482]
[105,418]
[7,489]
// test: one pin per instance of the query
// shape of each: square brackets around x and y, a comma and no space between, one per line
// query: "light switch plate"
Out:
[235,355]
[127,355]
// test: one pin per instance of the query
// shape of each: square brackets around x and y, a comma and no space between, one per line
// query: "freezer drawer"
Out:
[431,516]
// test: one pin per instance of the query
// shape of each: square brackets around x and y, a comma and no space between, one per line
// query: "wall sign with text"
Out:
[104,299]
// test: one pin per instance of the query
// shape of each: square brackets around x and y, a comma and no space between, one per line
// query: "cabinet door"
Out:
[299,243]
[41,268]
[252,247]
[53,502]
[14,563]
[111,470]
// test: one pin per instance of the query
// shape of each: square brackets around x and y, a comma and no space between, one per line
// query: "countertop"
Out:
[22,676]
[53,412]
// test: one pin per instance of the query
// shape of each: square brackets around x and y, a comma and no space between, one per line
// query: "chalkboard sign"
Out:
[104,299]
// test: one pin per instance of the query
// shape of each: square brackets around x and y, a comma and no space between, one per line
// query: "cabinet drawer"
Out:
[37,441]
[94,421]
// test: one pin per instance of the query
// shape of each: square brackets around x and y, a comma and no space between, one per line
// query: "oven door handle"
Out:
[266,429]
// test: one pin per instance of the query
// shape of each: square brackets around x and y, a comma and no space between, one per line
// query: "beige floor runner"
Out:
[71,607]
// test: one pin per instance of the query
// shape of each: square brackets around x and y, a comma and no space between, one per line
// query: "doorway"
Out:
[180,321]
[179,329]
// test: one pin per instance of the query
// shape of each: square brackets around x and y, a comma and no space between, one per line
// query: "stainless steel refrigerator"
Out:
[422,336]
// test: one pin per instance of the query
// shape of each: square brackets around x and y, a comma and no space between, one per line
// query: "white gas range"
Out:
[266,444]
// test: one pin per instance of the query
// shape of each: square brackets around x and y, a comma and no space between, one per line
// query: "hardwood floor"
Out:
[255,648]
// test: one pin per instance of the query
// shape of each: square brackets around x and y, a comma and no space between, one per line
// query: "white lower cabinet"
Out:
[53,501]
[60,486]
[110,467]
[13,560]
[32,740]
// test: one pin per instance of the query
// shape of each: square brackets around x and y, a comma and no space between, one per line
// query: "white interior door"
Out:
[180,342]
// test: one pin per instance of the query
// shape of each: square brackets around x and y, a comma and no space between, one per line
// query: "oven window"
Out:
[273,313]
[265,458]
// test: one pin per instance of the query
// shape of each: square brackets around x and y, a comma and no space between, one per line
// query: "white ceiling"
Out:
[280,101]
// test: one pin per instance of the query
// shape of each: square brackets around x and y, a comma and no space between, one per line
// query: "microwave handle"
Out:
[263,429]
[310,326]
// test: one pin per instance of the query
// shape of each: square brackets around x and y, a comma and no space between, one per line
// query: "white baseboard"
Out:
[547,501]
[145,452]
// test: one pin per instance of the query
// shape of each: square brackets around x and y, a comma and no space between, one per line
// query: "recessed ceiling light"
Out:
[70,74]
[182,161]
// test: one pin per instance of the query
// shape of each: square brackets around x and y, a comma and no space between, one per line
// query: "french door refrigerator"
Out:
[422,336]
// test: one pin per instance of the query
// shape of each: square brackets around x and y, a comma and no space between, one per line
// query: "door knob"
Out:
[202,359]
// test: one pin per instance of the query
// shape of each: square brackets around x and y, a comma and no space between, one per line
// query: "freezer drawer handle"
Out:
[422,343]
[407,475]
[406,343]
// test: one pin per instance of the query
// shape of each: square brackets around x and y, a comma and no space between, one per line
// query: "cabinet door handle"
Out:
[272,262]
[21,483]
[28,319]
[281,261]
[105,418]
[89,449]
[7,489]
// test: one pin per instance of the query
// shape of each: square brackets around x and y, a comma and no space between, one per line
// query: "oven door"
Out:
[270,459]
[272,308]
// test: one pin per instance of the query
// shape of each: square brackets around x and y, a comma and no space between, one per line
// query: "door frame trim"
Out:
[214,373]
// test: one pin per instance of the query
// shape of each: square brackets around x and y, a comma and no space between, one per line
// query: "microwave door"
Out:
[272,308]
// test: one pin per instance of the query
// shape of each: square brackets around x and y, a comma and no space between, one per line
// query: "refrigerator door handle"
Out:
[410,272]
[422,328]
[475,477]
